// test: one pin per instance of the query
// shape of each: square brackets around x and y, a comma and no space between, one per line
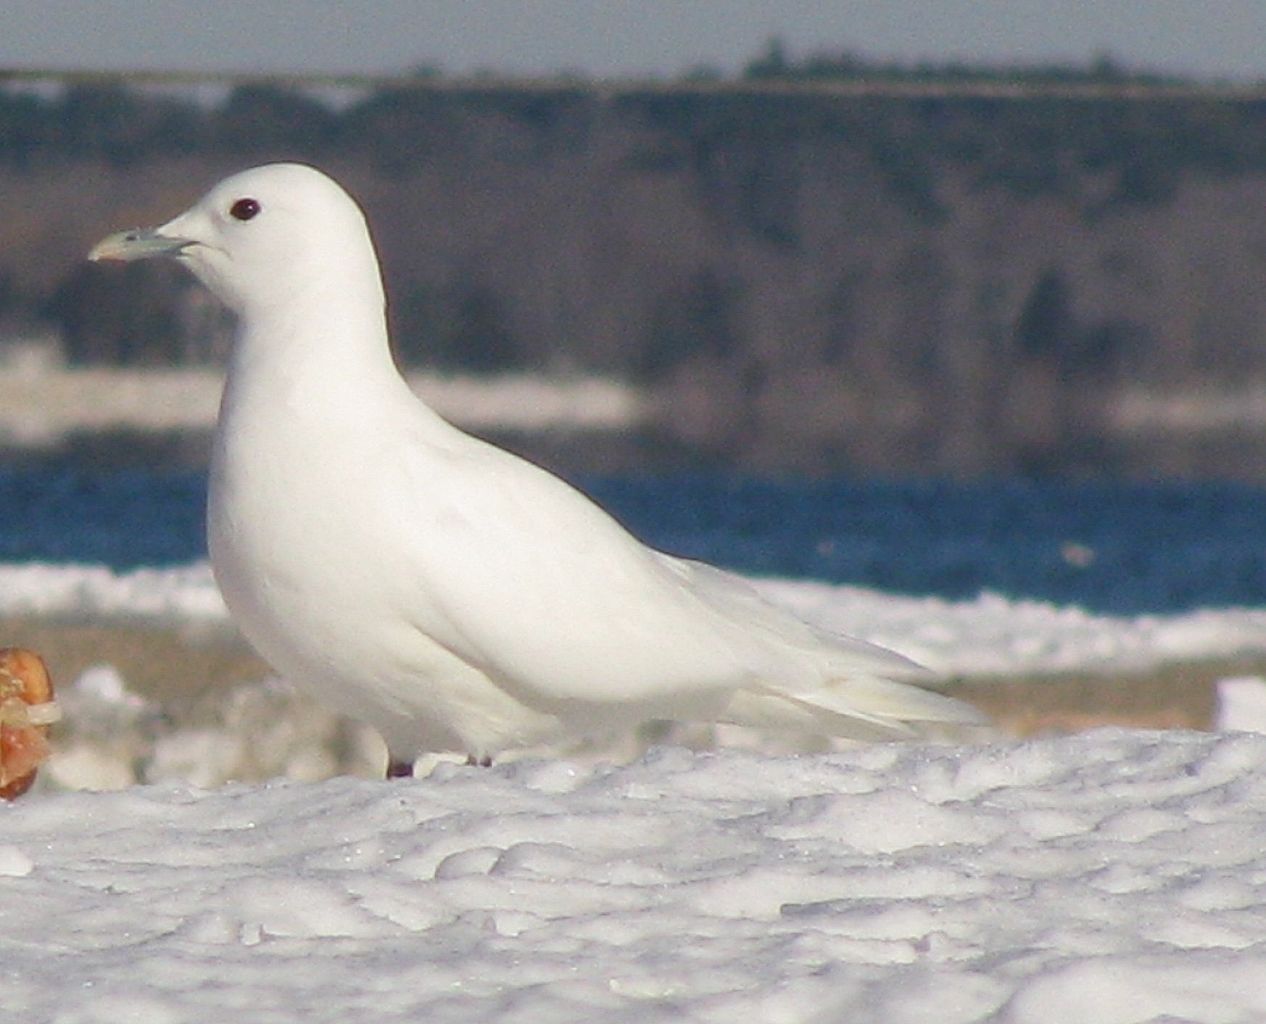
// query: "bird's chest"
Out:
[293,534]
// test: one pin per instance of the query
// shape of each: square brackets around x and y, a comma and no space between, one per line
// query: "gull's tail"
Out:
[866,708]
[821,682]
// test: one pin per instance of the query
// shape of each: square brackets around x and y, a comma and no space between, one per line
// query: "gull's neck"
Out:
[320,354]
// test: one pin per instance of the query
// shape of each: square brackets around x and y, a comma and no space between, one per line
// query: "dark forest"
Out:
[813,269]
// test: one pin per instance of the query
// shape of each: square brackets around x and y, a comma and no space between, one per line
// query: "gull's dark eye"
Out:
[244,209]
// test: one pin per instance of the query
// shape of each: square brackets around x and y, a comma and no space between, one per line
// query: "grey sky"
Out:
[1212,38]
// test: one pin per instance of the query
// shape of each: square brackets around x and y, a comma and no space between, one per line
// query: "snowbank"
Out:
[990,635]
[994,635]
[1106,877]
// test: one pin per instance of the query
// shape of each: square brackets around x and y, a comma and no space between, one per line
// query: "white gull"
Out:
[449,593]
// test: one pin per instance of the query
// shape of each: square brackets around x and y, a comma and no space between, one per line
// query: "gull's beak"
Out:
[138,244]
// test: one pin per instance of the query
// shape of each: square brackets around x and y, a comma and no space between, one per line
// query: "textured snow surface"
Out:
[1107,877]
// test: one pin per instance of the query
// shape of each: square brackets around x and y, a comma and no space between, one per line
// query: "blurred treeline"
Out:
[861,268]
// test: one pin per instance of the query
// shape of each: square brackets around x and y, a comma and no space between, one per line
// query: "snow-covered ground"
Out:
[1110,876]
[1106,877]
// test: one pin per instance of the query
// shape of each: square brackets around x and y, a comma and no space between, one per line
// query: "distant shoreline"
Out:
[43,408]
[163,417]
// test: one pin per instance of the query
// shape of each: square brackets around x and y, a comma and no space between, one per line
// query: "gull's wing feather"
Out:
[517,556]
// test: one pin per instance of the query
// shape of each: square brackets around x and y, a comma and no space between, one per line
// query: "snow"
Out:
[994,635]
[1110,876]
[1241,704]
[83,592]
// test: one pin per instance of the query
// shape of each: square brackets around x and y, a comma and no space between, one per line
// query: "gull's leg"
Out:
[399,769]
[404,769]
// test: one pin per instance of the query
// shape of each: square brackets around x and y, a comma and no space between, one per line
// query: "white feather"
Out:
[444,590]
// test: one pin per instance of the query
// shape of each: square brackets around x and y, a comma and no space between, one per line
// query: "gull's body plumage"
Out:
[448,592]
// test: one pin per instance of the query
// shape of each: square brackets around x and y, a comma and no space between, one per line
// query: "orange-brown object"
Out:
[27,709]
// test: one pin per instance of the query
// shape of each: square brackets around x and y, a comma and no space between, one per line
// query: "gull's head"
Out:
[262,237]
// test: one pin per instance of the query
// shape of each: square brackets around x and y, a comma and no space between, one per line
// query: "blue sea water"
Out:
[1124,548]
